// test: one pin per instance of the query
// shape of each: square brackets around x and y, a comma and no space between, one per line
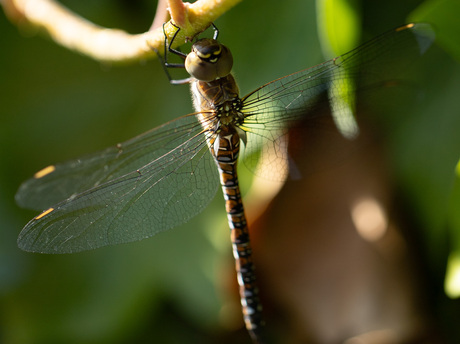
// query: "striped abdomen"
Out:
[226,155]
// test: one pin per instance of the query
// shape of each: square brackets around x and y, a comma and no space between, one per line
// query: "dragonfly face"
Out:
[164,177]
[209,60]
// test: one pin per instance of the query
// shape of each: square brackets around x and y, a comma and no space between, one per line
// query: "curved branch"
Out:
[161,15]
[112,45]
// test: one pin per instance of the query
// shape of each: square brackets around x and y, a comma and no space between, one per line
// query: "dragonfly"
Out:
[162,178]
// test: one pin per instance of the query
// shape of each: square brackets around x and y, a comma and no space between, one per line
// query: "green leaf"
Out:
[338,28]
[452,281]
[339,24]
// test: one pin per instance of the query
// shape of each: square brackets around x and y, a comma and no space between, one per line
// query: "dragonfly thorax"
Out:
[229,113]
[218,102]
[209,60]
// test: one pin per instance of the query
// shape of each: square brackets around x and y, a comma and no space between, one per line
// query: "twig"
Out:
[161,15]
[112,45]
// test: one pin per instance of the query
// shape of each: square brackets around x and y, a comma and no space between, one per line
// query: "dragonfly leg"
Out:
[216,31]
[164,61]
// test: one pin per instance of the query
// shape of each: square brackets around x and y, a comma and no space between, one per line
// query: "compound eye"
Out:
[209,60]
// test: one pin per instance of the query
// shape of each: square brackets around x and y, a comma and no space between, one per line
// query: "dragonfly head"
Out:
[209,60]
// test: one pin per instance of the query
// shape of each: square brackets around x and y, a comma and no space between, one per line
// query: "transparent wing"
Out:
[126,193]
[275,107]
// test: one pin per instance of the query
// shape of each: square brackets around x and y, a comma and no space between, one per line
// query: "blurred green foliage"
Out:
[56,105]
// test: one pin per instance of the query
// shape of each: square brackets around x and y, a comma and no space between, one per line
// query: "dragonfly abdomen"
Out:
[226,156]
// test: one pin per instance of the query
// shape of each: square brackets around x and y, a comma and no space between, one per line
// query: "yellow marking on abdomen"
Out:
[44,172]
[46,212]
